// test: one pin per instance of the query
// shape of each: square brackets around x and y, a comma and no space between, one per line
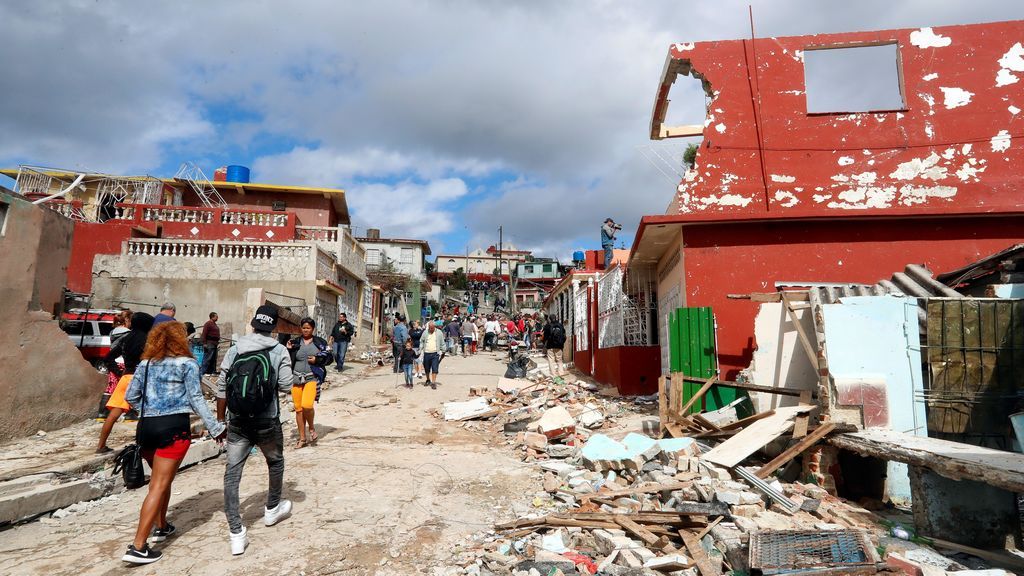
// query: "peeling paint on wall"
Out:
[920,168]
[955,97]
[786,199]
[1011,61]
[781,178]
[845,161]
[927,38]
[1001,141]
[930,77]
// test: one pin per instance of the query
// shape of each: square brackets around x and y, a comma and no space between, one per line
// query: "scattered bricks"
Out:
[718,473]
[674,448]
[591,417]
[668,563]
[688,464]
[635,556]
[903,566]
[611,539]
[660,477]
[746,510]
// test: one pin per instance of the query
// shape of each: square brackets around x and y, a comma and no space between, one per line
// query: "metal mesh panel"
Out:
[581,319]
[610,309]
[791,550]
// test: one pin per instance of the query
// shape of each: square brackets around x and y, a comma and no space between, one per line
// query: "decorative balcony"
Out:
[201,223]
[350,254]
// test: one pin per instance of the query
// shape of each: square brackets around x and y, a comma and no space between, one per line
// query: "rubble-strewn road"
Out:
[388,490]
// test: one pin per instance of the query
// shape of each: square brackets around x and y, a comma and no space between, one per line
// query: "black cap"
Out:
[265,319]
[609,220]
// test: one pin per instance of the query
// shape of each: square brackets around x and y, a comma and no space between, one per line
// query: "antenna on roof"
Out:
[200,184]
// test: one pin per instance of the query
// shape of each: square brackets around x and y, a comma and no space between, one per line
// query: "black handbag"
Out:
[128,461]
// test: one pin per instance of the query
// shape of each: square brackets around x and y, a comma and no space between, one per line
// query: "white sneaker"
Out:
[239,541]
[274,515]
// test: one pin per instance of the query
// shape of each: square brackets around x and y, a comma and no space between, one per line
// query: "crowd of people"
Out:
[155,377]
[154,374]
[418,347]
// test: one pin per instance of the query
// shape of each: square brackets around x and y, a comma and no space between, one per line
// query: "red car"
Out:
[90,332]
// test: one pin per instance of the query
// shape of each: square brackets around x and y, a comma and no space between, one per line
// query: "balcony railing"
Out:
[215,249]
[200,215]
[350,254]
[325,234]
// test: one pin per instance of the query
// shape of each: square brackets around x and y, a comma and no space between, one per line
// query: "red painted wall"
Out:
[89,240]
[739,258]
[310,209]
[955,147]
[631,369]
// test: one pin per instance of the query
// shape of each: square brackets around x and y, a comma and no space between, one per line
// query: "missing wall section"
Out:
[846,79]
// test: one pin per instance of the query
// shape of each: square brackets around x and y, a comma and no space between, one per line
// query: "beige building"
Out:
[481,261]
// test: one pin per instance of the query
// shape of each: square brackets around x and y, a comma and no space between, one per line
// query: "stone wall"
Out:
[46,384]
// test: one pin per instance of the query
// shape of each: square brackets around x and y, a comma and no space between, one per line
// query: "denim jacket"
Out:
[172,388]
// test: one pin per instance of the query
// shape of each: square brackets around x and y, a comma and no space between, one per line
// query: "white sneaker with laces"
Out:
[274,515]
[239,541]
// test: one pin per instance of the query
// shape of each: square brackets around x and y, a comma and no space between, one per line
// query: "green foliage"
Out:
[458,280]
[690,155]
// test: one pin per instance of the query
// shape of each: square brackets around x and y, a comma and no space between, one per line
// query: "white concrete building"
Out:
[481,261]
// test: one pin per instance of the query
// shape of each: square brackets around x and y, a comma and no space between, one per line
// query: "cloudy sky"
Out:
[442,120]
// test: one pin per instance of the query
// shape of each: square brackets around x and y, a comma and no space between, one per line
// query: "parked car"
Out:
[90,332]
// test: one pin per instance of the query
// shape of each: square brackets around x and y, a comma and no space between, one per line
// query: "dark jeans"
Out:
[431,362]
[489,341]
[340,350]
[408,373]
[265,433]
[396,350]
[209,359]
[608,256]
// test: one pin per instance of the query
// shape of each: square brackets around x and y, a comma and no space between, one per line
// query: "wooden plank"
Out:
[700,558]
[708,528]
[644,534]
[706,423]
[997,557]
[675,397]
[700,394]
[795,450]
[751,387]
[812,356]
[748,420]
[754,437]
[662,405]
[950,459]
[793,296]
[802,420]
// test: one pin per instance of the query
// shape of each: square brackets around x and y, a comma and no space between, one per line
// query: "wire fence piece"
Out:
[791,551]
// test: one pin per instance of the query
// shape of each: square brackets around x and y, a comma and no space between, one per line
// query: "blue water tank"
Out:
[578,256]
[238,174]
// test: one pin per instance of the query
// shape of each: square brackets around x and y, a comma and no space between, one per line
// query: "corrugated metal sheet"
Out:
[915,280]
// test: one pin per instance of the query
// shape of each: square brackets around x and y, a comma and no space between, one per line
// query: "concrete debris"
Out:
[475,408]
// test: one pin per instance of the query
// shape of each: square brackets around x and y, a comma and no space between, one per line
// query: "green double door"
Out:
[692,352]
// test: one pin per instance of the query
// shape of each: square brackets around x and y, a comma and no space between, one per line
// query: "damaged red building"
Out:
[783,190]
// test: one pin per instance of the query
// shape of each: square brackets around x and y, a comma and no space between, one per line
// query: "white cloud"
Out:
[407,209]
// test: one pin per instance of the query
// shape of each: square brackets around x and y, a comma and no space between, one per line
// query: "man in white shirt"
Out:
[491,330]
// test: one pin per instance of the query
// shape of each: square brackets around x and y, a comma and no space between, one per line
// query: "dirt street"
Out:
[389,490]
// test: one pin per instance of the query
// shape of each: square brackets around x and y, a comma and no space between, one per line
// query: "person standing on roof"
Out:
[210,338]
[608,231]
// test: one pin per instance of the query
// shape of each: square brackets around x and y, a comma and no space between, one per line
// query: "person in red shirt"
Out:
[210,337]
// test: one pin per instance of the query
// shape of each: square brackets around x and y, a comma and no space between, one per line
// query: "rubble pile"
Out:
[696,502]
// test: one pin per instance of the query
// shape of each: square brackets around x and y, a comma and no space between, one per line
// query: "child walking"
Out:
[407,361]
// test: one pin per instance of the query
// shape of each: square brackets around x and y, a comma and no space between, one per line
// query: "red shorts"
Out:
[175,451]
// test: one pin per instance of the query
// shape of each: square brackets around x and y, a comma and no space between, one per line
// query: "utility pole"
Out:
[501,262]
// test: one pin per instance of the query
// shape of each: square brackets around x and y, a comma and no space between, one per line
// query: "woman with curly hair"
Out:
[165,387]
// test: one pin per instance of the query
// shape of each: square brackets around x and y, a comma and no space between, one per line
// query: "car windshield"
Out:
[75,328]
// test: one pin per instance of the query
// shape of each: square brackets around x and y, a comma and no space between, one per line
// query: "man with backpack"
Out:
[554,340]
[253,372]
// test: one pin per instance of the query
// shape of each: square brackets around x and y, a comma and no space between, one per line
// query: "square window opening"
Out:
[846,79]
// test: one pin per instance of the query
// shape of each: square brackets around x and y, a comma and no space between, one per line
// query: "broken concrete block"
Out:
[560,450]
[558,467]
[750,498]
[635,556]
[555,423]
[474,408]
[642,446]
[675,448]
[591,417]
[668,563]
[745,524]
[728,497]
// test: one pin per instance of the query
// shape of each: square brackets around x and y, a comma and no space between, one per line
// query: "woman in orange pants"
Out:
[310,355]
[129,347]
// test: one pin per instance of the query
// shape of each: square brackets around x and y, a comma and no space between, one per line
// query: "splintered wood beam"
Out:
[812,356]
[751,387]
[795,450]
[700,394]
